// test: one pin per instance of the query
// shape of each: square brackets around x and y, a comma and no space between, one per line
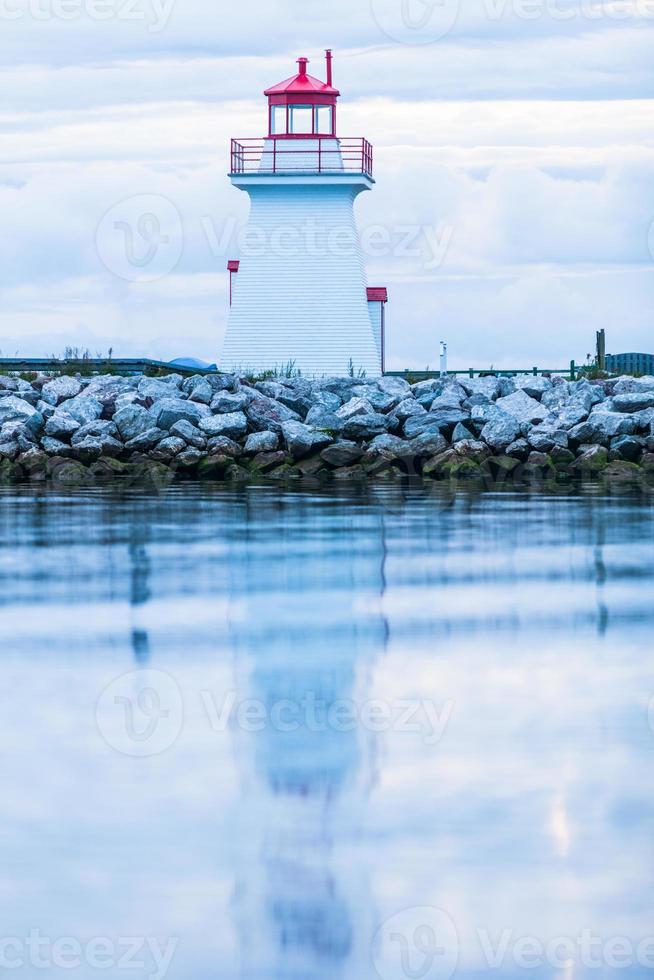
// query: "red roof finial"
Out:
[303,62]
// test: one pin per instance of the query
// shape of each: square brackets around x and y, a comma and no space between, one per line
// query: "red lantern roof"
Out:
[304,85]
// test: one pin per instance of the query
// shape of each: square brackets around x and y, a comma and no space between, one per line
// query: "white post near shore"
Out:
[443,364]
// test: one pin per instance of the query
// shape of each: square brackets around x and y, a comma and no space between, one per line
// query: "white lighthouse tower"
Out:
[298,292]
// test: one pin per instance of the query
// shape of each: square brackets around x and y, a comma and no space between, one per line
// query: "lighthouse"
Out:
[298,292]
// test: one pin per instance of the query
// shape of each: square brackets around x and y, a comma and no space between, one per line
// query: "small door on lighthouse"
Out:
[300,297]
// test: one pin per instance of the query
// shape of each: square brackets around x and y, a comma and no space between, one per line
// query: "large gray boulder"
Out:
[355,406]
[572,413]
[365,426]
[223,382]
[406,408]
[523,407]
[426,391]
[339,386]
[224,402]
[320,418]
[108,388]
[144,441]
[234,425]
[271,389]
[592,394]
[9,448]
[484,412]
[132,421]
[166,411]
[83,407]
[519,449]
[58,389]
[326,400]
[14,408]
[491,387]
[298,396]
[600,427]
[629,448]
[99,429]
[54,447]
[440,420]
[191,435]
[223,446]
[301,439]
[461,432]
[501,432]
[12,384]
[451,397]
[156,388]
[624,385]
[427,445]
[45,408]
[398,388]
[634,402]
[381,401]
[262,442]
[168,449]
[201,392]
[534,386]
[267,415]
[88,450]
[543,438]
[61,426]
[342,453]
[389,447]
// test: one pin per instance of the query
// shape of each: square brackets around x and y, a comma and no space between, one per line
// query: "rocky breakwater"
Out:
[79,431]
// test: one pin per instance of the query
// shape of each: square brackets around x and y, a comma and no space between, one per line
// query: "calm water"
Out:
[308,736]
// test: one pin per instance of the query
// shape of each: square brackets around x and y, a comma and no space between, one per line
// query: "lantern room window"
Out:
[278,120]
[324,120]
[300,120]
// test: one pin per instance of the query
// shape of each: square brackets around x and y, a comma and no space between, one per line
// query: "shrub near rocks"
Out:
[79,430]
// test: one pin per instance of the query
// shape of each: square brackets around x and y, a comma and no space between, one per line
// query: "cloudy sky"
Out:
[514,145]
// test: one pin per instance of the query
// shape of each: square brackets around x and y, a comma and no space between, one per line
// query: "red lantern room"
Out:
[303,106]
[302,136]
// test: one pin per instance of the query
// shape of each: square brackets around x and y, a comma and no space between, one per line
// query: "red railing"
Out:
[309,155]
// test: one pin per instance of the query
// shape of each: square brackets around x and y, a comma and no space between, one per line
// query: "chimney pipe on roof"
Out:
[303,62]
[328,54]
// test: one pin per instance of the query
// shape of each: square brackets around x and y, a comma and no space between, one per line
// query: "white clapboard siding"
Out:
[300,293]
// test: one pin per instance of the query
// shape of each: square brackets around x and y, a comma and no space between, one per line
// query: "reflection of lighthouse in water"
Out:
[302,899]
